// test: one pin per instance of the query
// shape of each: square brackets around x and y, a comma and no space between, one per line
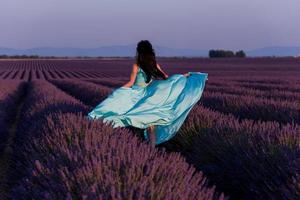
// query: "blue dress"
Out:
[163,103]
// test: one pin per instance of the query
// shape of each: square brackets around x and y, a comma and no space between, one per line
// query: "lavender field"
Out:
[241,140]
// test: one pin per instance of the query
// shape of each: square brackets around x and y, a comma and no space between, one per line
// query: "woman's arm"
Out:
[166,75]
[132,76]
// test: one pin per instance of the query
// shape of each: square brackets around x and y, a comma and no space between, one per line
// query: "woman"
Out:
[152,100]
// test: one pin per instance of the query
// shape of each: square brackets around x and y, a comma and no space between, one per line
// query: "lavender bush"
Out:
[249,107]
[269,94]
[89,93]
[269,86]
[112,82]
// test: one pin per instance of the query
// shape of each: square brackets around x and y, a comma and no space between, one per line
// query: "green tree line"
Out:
[226,53]
[19,56]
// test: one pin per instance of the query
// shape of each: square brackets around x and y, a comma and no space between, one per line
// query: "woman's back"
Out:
[141,78]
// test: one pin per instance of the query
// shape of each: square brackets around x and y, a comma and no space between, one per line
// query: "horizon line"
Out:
[131,44]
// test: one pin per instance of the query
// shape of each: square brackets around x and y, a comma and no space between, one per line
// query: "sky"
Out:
[188,24]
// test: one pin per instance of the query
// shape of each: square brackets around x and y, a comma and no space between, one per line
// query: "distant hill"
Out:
[275,51]
[129,50]
[118,50]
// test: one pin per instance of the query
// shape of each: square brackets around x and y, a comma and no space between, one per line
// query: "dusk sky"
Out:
[193,24]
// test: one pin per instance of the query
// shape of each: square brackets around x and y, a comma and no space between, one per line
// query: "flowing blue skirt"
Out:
[163,103]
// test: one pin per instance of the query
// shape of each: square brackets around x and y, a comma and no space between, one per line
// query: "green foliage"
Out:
[240,53]
[19,56]
[225,53]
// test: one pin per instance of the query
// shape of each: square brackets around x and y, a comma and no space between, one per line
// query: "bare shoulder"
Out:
[134,70]
[135,67]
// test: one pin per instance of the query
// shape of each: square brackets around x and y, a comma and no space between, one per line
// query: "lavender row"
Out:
[43,98]
[26,65]
[112,82]
[266,80]
[76,158]
[269,94]
[249,107]
[245,159]
[18,74]
[264,84]
[10,94]
[272,87]
[89,93]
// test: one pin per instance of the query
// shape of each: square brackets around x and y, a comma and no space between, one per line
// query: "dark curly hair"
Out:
[145,59]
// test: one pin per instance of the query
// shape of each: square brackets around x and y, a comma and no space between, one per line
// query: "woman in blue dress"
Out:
[151,100]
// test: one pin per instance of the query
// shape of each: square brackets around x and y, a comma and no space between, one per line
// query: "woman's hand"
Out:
[186,74]
[126,86]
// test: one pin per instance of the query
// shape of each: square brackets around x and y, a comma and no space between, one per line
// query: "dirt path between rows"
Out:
[6,155]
